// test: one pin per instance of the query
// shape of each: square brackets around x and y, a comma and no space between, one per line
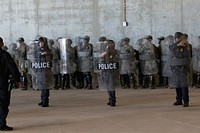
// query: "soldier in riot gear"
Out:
[148,62]
[55,63]
[109,71]
[158,56]
[67,62]
[21,58]
[84,63]
[127,64]
[165,56]
[138,45]
[180,62]
[98,49]
[42,66]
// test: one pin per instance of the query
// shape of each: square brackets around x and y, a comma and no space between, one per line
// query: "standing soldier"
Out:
[67,61]
[180,63]
[165,57]
[12,50]
[127,64]
[158,56]
[7,67]
[21,61]
[41,63]
[55,63]
[84,60]
[109,71]
[148,62]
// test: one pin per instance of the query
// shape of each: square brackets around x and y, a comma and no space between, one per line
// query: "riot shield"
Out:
[40,67]
[180,66]
[127,60]
[108,70]
[67,57]
[165,56]
[84,60]
[148,60]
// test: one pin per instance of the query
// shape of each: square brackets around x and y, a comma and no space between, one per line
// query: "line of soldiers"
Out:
[145,65]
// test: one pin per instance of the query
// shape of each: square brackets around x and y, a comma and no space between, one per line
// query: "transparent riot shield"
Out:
[40,66]
[108,71]
[67,57]
[165,56]
[84,60]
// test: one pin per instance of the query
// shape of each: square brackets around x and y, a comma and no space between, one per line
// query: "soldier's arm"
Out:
[12,67]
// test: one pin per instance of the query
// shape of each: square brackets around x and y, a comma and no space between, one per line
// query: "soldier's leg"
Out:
[4,103]
[67,81]
[178,96]
[164,81]
[127,81]
[152,81]
[122,80]
[88,79]
[24,81]
[73,79]
[112,98]
[132,78]
[63,81]
[45,97]
[30,81]
[194,81]
[145,81]
[80,79]
[55,81]
[185,96]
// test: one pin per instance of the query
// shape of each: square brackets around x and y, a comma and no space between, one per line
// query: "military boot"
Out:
[122,80]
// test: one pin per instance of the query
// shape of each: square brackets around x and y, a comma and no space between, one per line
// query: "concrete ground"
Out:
[85,111]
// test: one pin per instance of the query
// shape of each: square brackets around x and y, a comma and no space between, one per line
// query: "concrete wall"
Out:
[72,18]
